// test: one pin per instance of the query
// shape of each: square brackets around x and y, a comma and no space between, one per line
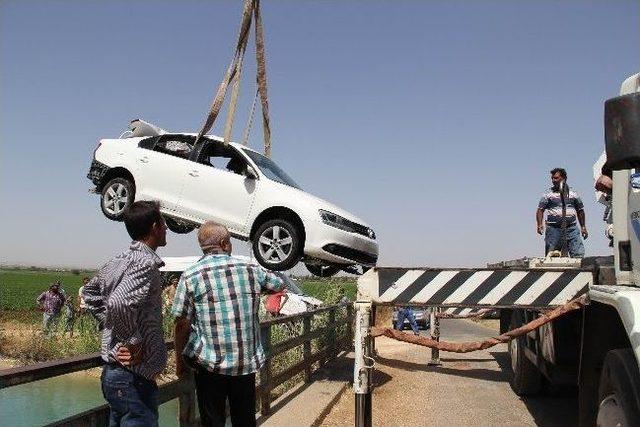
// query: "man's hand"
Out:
[584,233]
[181,369]
[540,229]
[129,355]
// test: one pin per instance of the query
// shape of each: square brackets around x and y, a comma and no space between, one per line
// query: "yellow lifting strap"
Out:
[232,76]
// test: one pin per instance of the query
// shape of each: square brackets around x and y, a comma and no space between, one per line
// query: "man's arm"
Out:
[40,299]
[181,330]
[539,218]
[583,224]
[93,299]
[126,299]
[182,309]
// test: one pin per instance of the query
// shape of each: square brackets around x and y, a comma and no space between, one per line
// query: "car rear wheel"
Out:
[179,226]
[323,270]
[277,245]
[117,195]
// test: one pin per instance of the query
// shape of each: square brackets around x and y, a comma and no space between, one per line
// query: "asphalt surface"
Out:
[467,390]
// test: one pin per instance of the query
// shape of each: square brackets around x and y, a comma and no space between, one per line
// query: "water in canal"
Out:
[42,402]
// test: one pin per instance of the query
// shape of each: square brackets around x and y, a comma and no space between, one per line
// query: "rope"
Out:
[247,128]
[466,347]
[251,8]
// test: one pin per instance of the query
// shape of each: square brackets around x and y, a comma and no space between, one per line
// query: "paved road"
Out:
[467,390]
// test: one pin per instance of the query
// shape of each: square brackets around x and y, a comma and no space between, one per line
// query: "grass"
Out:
[20,288]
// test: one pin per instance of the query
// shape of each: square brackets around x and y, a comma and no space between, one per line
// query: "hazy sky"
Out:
[436,122]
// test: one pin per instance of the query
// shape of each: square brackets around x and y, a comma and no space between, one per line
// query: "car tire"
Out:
[619,390]
[117,196]
[269,249]
[526,379]
[323,270]
[178,226]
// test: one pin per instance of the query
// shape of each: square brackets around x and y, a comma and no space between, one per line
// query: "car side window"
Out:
[178,146]
[216,155]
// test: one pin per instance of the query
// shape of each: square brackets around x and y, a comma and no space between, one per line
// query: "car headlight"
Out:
[342,223]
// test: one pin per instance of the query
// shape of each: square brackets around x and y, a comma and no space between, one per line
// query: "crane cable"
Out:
[232,76]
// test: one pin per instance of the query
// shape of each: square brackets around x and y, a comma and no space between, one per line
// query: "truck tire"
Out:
[619,391]
[526,379]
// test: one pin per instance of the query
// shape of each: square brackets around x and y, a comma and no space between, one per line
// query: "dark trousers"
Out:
[213,390]
[133,400]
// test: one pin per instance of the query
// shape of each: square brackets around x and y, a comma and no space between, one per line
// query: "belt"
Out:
[569,224]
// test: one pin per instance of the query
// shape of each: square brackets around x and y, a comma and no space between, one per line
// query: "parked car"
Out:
[295,303]
[421,315]
[234,186]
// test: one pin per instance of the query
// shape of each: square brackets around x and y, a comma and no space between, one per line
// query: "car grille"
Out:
[350,253]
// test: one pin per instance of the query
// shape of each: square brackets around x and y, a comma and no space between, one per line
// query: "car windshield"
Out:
[270,169]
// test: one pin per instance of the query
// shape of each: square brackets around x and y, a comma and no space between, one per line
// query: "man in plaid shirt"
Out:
[217,328]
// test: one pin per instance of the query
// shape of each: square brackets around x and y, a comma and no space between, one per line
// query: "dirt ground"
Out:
[467,390]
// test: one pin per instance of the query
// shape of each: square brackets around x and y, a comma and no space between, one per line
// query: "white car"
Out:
[234,186]
[295,303]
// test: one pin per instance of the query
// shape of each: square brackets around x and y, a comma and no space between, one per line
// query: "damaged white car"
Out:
[234,186]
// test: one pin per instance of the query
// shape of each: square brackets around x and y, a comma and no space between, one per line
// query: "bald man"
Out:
[217,330]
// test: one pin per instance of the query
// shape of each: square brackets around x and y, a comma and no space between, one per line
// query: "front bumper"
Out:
[97,171]
[338,246]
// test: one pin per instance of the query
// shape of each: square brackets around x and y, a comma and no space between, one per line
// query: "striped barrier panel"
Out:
[473,288]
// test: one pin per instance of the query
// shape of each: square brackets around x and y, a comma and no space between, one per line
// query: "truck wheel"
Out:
[619,391]
[277,245]
[526,379]
[117,195]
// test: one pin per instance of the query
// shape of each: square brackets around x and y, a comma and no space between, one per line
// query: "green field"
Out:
[20,288]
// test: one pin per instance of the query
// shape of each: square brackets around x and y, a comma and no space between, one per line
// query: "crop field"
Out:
[20,288]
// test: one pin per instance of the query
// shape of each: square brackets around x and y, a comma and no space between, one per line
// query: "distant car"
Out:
[234,186]
[421,315]
[296,302]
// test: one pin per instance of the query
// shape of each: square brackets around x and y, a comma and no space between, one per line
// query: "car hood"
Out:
[312,201]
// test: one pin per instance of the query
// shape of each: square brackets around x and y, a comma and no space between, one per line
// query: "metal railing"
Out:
[333,333]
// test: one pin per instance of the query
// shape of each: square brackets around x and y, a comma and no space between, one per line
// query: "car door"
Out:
[217,189]
[162,165]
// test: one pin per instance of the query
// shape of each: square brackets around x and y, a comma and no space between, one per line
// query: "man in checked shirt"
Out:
[125,297]
[216,328]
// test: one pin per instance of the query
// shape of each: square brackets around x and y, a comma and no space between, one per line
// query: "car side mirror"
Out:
[250,173]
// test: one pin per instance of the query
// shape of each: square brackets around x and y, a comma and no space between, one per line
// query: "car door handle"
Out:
[194,173]
[144,160]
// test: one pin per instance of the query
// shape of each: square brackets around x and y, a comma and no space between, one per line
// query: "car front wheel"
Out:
[277,245]
[117,195]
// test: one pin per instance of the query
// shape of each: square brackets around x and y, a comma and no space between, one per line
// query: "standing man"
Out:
[551,202]
[50,302]
[407,313]
[216,328]
[125,297]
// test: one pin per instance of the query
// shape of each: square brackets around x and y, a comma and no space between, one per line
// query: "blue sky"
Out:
[436,122]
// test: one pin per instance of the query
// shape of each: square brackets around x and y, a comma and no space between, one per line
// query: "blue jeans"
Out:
[553,240]
[133,400]
[407,313]
[48,319]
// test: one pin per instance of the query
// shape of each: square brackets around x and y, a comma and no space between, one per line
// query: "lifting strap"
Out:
[232,76]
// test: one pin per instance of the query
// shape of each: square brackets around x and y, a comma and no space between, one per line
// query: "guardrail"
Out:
[332,334]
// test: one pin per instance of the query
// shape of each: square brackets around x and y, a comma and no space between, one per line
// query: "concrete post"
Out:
[435,335]
[361,378]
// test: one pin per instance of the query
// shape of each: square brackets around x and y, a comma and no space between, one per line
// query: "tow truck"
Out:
[596,348]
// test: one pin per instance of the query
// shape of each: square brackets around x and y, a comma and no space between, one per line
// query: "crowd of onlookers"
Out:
[57,306]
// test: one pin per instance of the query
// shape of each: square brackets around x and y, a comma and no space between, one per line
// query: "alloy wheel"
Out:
[115,199]
[275,244]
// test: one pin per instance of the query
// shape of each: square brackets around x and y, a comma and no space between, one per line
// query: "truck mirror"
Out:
[250,173]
